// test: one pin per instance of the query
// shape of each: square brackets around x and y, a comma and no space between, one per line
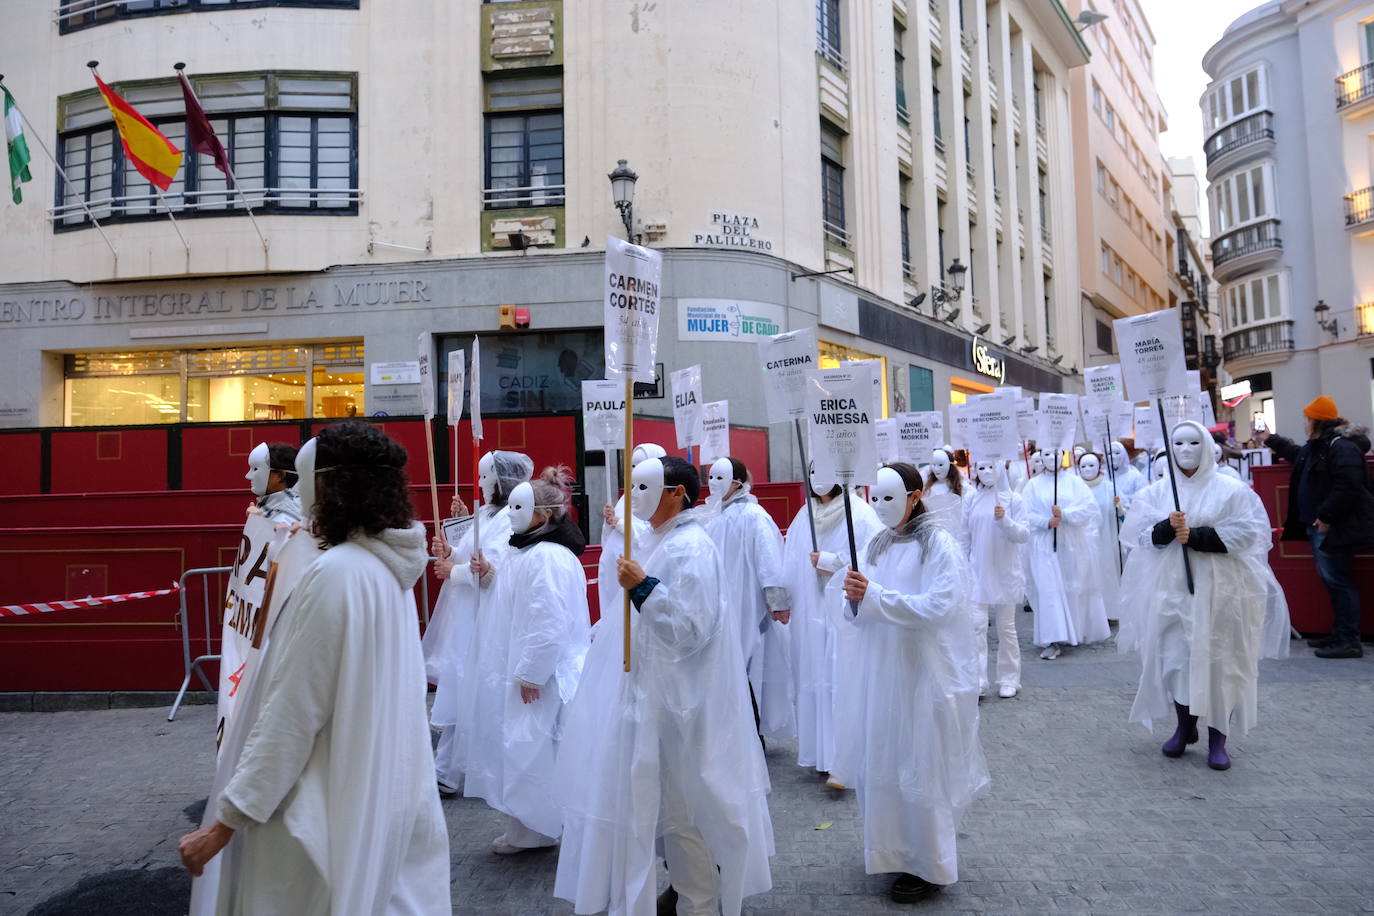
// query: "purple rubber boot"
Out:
[1184,735]
[1217,758]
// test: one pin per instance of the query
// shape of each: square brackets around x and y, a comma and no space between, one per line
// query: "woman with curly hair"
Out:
[531,639]
[333,797]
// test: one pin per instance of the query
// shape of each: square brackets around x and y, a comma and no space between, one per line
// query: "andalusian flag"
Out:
[18,147]
[151,153]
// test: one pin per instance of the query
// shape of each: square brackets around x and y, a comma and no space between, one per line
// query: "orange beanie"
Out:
[1323,408]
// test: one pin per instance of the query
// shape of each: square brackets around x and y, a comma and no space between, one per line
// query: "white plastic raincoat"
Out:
[814,637]
[906,713]
[1104,544]
[1203,650]
[1062,584]
[669,741]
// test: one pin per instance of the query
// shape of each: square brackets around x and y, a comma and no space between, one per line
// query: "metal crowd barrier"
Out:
[193,665]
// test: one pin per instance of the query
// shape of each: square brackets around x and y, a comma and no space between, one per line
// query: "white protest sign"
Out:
[1027,423]
[877,382]
[886,433]
[715,427]
[475,390]
[1152,362]
[456,528]
[457,364]
[1102,426]
[1103,387]
[918,434]
[1058,421]
[633,281]
[245,620]
[1147,434]
[687,401]
[425,350]
[1013,390]
[840,404]
[787,360]
[603,414]
[992,432]
[1209,416]
[958,426]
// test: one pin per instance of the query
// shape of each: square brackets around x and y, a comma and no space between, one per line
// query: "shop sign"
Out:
[404,373]
[985,363]
[735,320]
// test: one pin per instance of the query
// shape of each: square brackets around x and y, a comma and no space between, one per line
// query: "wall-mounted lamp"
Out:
[1329,325]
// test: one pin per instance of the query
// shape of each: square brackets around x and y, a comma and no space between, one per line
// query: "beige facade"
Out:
[1123,213]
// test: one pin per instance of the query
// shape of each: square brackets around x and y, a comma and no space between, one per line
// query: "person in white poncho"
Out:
[1129,481]
[750,547]
[1060,568]
[667,750]
[531,639]
[997,529]
[450,660]
[906,711]
[613,535]
[333,792]
[272,478]
[946,493]
[814,637]
[1200,652]
[1105,546]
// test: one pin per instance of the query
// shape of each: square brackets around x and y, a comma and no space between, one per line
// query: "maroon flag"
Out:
[200,136]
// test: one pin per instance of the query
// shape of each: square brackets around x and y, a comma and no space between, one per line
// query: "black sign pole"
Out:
[1173,484]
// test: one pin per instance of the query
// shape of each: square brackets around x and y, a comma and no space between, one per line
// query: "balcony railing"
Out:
[939,146]
[208,202]
[831,55]
[903,115]
[836,233]
[1364,319]
[1354,86]
[1359,207]
[1276,337]
[1249,240]
[1257,127]
[534,196]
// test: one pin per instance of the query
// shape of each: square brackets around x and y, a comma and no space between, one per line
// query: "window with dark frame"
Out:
[1105,337]
[828,26]
[832,184]
[75,15]
[935,96]
[291,138]
[524,142]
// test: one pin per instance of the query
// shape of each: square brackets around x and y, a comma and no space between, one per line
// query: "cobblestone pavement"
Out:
[1084,814]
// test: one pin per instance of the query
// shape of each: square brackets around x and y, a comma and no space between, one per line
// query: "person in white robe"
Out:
[613,535]
[1037,467]
[665,751]
[1159,466]
[1129,481]
[531,639]
[272,478]
[450,653]
[1106,544]
[947,492]
[997,530]
[1061,581]
[1200,652]
[1224,467]
[333,793]
[757,600]
[906,710]
[813,631]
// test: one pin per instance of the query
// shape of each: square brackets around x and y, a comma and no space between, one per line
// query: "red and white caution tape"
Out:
[22,610]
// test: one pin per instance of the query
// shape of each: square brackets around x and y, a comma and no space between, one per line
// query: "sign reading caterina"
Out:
[728,319]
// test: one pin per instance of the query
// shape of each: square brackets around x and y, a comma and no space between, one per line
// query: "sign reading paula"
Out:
[728,320]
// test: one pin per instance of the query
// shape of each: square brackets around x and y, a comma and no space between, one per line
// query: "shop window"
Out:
[832,354]
[922,387]
[524,142]
[291,138]
[960,389]
[532,372]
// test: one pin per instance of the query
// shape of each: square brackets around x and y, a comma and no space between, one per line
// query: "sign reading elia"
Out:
[733,230]
[987,364]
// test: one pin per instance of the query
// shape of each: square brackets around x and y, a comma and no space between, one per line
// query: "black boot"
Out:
[1184,735]
[1341,650]
[1322,642]
[912,889]
[667,902]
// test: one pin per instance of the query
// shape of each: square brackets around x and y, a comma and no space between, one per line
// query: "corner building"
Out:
[417,166]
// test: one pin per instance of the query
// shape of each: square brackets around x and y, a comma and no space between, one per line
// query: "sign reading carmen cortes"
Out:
[120,303]
[987,364]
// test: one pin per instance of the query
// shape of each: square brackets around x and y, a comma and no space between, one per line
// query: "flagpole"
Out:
[162,200]
[63,172]
[233,179]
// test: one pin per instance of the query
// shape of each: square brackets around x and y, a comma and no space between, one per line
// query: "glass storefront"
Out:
[961,388]
[531,372]
[221,385]
[832,354]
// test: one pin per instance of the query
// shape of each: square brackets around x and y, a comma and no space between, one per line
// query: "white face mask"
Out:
[987,473]
[1216,453]
[1049,460]
[521,503]
[1119,457]
[820,487]
[646,451]
[1161,466]
[647,488]
[305,470]
[939,464]
[1187,446]
[720,478]
[1088,467]
[486,477]
[259,467]
[1037,464]
[888,497]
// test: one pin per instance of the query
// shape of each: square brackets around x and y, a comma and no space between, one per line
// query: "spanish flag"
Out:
[151,153]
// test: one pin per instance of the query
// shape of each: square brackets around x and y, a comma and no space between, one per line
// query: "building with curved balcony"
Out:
[409,166]
[1292,217]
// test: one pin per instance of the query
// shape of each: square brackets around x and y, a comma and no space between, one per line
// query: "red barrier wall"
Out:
[23,463]
[109,461]
[216,457]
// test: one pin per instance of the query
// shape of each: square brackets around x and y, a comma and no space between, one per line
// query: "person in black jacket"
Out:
[1329,505]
